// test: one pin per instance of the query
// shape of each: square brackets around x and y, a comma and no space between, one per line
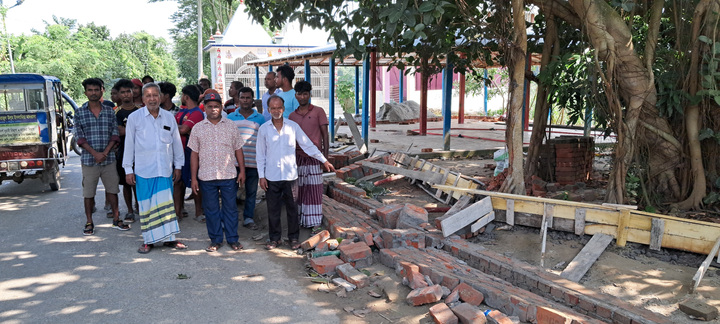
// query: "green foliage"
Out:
[216,16]
[432,30]
[74,54]
[345,88]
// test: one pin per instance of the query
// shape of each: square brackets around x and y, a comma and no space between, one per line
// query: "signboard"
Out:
[21,128]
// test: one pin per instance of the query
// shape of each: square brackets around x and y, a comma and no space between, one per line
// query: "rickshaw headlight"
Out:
[3,165]
[23,164]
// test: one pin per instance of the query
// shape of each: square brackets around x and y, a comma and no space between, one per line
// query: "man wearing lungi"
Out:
[152,144]
[276,145]
[314,123]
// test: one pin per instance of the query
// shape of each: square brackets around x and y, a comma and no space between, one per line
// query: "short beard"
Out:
[281,117]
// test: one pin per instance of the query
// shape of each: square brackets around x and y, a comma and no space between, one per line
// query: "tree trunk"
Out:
[692,112]
[423,101]
[542,106]
[515,182]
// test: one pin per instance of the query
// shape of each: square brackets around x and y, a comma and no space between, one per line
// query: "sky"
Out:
[120,16]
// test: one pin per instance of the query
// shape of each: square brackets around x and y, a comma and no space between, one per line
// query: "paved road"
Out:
[50,272]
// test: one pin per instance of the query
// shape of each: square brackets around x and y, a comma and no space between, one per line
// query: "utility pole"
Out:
[200,42]
[4,13]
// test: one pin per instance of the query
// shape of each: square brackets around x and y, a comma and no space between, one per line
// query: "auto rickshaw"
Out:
[34,128]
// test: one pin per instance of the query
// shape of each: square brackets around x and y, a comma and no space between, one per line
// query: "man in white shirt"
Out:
[152,148]
[277,170]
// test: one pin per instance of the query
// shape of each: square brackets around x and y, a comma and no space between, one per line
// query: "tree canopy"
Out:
[73,53]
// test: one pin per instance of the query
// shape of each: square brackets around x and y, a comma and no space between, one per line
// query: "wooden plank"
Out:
[510,214]
[468,215]
[446,173]
[424,176]
[372,176]
[489,217]
[357,137]
[463,202]
[412,181]
[543,232]
[579,221]
[337,127]
[452,192]
[585,259]
[622,232]
[413,161]
[704,266]
[619,206]
[656,234]
[548,214]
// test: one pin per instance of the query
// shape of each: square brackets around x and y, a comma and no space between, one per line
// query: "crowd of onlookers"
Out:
[223,150]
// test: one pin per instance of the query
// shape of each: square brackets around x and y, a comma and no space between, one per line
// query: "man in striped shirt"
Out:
[248,120]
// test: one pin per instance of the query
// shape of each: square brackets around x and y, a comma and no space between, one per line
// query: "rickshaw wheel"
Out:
[55,177]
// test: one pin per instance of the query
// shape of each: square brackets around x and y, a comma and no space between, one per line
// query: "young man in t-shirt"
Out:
[124,88]
[284,78]
[314,123]
[186,119]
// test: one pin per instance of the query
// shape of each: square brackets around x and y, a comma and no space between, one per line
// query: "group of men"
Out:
[156,149]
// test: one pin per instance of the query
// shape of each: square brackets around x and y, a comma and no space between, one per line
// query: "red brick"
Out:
[413,275]
[342,173]
[352,275]
[388,215]
[547,315]
[425,295]
[359,254]
[322,247]
[469,294]
[326,264]
[441,314]
[467,314]
[411,216]
[426,150]
[314,240]
[368,239]
[497,317]
[452,297]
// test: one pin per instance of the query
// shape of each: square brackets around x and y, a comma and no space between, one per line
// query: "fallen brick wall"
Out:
[346,222]
[549,285]
[446,270]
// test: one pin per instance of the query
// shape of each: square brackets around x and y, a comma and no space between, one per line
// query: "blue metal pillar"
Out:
[366,100]
[401,79]
[331,107]
[257,82]
[447,102]
[270,68]
[485,97]
[357,90]
[307,70]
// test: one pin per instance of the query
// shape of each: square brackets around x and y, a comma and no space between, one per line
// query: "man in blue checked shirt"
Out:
[97,134]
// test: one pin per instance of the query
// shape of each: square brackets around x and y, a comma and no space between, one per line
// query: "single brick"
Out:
[352,275]
[469,294]
[413,275]
[441,314]
[699,309]
[412,216]
[497,317]
[454,296]
[322,247]
[469,314]
[387,258]
[549,315]
[326,264]
[388,215]
[425,295]
[354,252]
[332,244]
[314,240]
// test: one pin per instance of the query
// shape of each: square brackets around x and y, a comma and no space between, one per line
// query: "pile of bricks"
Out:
[347,222]
[468,288]
[358,171]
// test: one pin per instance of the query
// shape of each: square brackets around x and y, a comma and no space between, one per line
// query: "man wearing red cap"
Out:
[215,142]
[137,92]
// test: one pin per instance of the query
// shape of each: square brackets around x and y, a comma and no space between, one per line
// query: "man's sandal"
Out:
[175,245]
[294,244]
[251,226]
[120,226]
[213,247]
[145,248]
[235,246]
[89,229]
[316,229]
[271,245]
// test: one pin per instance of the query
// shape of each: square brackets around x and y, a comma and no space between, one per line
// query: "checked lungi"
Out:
[309,191]
[157,212]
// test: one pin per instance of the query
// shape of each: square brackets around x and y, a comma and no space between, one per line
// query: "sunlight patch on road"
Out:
[67,310]
[277,319]
[86,268]
[16,255]
[70,239]
[140,260]
[249,278]
[30,286]
[12,312]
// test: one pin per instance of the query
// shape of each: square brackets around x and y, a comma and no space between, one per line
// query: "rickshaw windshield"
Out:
[23,98]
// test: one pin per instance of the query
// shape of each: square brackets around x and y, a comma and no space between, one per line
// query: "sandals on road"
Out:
[213,247]
[120,226]
[271,245]
[175,245]
[251,226]
[235,246]
[89,229]
[145,248]
[294,244]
